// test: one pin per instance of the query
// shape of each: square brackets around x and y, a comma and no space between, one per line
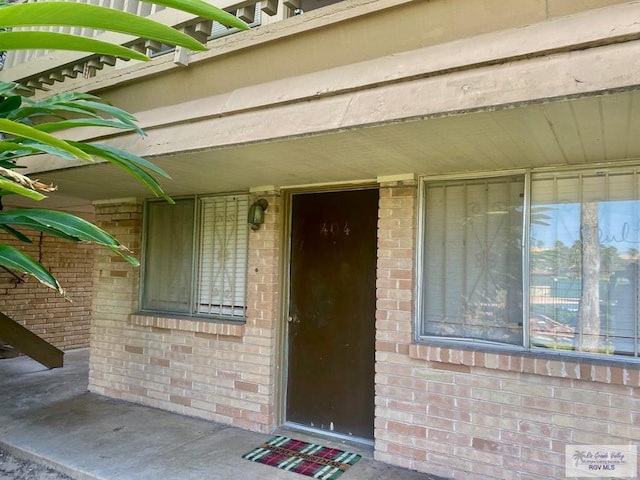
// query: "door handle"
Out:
[294,319]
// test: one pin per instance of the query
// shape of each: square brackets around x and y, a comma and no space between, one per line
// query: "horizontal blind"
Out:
[223,256]
[473,259]
[567,272]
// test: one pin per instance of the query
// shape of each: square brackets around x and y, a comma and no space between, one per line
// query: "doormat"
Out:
[305,458]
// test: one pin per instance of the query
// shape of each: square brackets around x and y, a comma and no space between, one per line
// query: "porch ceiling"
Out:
[586,130]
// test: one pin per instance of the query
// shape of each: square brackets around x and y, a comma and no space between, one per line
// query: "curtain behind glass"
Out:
[472,282]
[169,256]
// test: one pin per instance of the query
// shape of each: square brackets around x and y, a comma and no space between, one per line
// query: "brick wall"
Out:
[395,402]
[458,413]
[115,297]
[469,414]
[218,371]
[65,324]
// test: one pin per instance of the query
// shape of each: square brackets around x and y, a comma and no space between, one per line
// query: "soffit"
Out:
[587,130]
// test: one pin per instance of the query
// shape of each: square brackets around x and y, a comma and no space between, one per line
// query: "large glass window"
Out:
[581,267]
[472,282]
[196,256]
[585,235]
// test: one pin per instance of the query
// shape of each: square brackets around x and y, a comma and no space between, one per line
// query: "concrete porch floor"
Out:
[50,417]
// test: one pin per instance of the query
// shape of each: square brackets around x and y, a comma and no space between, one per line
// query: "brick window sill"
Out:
[188,325]
[459,359]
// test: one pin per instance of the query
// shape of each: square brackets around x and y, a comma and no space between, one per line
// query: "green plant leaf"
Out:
[13,187]
[25,131]
[8,88]
[72,226]
[93,16]
[10,104]
[204,9]
[108,109]
[64,225]
[23,222]
[11,150]
[65,98]
[56,111]
[103,151]
[96,106]
[6,146]
[84,105]
[64,41]
[51,127]
[132,164]
[9,163]
[19,235]
[14,259]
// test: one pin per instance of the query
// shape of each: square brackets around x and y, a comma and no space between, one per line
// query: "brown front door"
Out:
[332,311]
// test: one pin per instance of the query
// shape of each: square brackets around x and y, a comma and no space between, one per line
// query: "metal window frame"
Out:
[419,266]
[195,270]
[529,175]
[198,265]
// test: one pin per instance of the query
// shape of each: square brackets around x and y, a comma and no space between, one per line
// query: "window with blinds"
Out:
[223,256]
[578,278]
[472,273]
[585,235]
[195,257]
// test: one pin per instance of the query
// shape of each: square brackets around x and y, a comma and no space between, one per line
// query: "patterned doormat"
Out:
[305,458]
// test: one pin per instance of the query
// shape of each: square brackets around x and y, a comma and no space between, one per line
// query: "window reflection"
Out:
[583,263]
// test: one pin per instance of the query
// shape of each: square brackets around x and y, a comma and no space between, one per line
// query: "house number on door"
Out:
[335,228]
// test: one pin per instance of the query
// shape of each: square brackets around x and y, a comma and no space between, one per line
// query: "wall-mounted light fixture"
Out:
[256,213]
